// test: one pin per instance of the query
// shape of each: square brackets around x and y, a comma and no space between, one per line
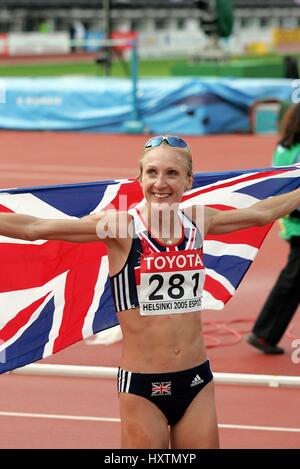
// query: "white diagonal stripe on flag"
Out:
[221,279]
[59,303]
[87,329]
[218,248]
[210,302]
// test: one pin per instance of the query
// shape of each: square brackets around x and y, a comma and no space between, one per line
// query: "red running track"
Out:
[44,412]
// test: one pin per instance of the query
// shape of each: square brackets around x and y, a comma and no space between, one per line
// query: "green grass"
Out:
[146,68]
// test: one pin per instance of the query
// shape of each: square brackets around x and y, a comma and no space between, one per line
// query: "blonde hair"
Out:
[186,152]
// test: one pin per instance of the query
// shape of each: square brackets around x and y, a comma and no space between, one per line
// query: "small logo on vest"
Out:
[197,380]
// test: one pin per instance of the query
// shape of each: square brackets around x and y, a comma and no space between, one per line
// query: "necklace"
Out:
[167,241]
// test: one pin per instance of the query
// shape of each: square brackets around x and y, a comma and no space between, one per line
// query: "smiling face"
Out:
[165,175]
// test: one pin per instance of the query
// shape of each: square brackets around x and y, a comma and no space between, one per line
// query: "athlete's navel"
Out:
[177,351]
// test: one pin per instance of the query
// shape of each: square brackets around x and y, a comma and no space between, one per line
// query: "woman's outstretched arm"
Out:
[32,228]
[262,213]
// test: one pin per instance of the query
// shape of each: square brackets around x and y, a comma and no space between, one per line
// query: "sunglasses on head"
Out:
[171,140]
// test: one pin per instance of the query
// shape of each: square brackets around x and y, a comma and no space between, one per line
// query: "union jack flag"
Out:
[161,389]
[53,294]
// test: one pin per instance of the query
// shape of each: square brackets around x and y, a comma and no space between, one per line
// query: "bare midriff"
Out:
[164,343]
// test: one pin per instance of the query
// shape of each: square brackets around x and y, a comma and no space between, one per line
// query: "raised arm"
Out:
[31,228]
[262,213]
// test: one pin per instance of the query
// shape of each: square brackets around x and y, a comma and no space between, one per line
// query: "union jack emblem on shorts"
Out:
[161,389]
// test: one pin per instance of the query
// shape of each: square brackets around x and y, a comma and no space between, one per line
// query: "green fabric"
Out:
[225,15]
[286,156]
[289,226]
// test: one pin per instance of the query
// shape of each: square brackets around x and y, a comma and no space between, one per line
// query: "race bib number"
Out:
[171,282]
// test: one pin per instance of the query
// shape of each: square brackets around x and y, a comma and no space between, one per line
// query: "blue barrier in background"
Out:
[190,106]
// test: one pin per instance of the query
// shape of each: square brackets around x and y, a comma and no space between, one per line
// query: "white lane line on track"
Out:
[261,428]
[117,420]
[59,417]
